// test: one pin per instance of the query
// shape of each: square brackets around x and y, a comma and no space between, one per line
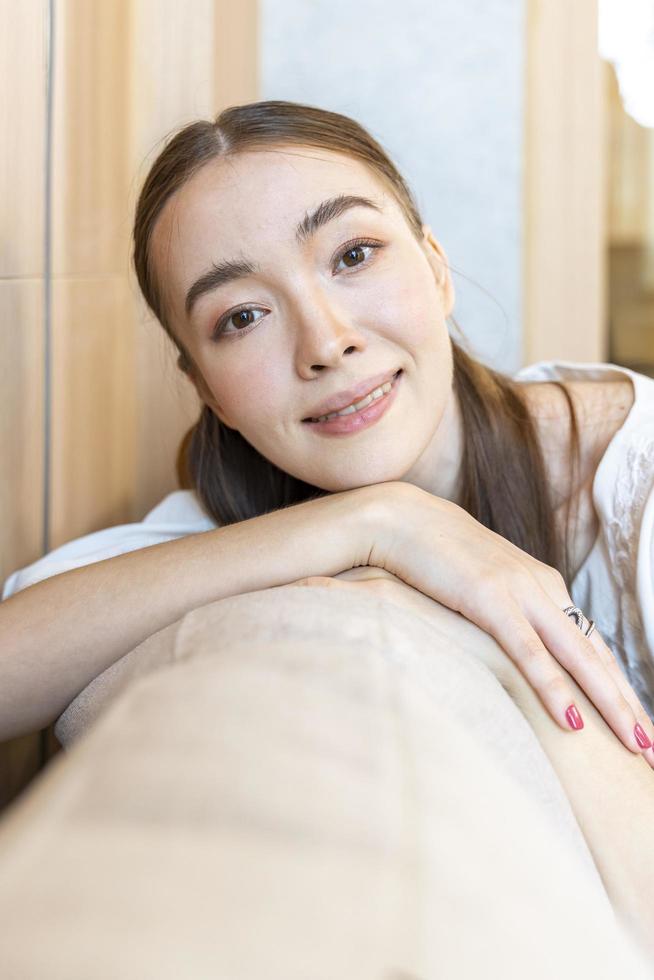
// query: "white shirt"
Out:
[177,515]
[614,586]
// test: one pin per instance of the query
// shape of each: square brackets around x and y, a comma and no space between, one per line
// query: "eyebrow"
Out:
[224,272]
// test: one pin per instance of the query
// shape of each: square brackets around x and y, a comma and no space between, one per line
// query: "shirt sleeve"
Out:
[178,515]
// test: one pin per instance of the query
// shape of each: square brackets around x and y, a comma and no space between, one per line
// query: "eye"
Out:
[243,318]
[349,252]
[241,324]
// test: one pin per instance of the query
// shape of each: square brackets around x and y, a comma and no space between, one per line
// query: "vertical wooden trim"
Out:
[236,66]
[564,254]
[23,114]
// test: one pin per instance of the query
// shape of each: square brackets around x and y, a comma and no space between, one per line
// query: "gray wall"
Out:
[440,85]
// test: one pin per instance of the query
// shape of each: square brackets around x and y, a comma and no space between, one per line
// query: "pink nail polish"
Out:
[574,718]
[641,737]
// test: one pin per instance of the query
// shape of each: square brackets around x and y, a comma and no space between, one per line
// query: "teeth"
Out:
[357,406]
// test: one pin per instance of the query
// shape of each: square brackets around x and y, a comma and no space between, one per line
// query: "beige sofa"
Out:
[301,784]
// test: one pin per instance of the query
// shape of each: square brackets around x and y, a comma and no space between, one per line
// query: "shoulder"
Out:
[601,408]
[598,403]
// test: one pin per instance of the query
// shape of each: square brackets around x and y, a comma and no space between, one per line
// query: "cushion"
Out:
[301,782]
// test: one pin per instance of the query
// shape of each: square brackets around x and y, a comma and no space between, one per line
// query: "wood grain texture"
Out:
[90,168]
[22,122]
[21,422]
[22,191]
[94,399]
[564,185]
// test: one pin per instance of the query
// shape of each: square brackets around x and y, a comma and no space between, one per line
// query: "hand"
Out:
[438,549]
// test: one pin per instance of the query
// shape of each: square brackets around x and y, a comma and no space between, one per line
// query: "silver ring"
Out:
[586,626]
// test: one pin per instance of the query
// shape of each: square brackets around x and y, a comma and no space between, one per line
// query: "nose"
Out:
[325,333]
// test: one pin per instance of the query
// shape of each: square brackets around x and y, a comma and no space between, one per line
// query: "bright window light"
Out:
[626,39]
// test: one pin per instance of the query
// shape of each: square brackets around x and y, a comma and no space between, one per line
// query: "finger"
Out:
[553,584]
[576,653]
[613,668]
[524,646]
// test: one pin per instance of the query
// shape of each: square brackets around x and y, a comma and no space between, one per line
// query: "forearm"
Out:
[610,788]
[62,632]
[611,791]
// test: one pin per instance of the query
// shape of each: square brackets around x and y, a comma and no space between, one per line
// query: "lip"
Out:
[344,425]
[344,398]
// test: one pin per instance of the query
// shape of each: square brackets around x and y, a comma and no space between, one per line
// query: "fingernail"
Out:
[574,718]
[641,738]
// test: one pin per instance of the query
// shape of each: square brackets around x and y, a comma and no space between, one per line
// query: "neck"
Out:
[438,468]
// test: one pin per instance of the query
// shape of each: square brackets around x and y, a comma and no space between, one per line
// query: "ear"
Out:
[438,261]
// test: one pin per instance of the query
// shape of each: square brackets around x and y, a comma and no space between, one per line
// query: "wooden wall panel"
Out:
[21,422]
[21,474]
[564,272]
[90,165]
[93,384]
[236,58]
[22,189]
[94,396]
[22,118]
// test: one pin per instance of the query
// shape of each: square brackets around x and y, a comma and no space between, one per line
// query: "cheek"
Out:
[412,308]
[248,398]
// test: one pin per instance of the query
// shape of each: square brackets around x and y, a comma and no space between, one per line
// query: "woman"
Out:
[288,226]
[284,255]
[287,306]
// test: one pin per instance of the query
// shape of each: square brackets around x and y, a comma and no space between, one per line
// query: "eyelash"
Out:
[220,326]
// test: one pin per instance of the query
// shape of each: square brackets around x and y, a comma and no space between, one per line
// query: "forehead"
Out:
[258,190]
[261,184]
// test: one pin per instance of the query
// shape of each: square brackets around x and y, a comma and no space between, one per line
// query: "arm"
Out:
[611,792]
[610,789]
[58,634]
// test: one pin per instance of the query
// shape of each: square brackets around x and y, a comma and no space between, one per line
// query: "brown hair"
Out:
[503,479]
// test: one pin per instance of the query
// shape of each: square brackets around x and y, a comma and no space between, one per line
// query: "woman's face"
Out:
[325,314]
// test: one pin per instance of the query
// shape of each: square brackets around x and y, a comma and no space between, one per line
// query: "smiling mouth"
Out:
[336,414]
